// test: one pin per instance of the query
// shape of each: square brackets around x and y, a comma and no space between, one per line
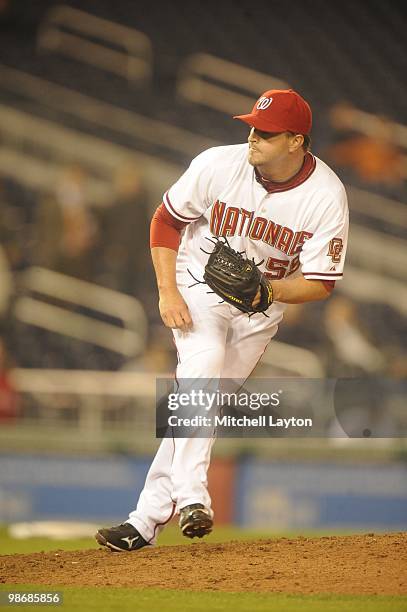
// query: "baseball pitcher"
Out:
[278,217]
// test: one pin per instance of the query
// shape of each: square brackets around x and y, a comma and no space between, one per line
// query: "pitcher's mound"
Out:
[362,564]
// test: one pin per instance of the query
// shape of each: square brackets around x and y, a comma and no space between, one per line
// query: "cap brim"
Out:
[259,123]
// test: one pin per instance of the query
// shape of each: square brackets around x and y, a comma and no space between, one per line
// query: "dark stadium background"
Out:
[74,132]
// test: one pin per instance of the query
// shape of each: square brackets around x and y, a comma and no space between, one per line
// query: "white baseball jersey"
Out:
[300,228]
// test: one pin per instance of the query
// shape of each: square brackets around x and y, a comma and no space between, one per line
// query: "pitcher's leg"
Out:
[156,506]
[246,343]
[243,346]
[189,471]
[178,474]
[201,358]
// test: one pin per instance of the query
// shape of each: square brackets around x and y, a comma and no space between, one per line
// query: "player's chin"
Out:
[253,158]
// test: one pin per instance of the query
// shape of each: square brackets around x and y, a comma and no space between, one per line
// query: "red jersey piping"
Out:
[176,213]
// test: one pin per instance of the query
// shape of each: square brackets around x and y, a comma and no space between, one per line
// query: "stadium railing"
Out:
[222,85]
[127,338]
[124,51]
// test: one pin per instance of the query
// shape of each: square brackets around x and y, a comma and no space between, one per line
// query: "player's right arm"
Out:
[165,234]
[185,202]
[173,309]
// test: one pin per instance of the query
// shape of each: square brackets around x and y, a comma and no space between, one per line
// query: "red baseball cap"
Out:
[280,110]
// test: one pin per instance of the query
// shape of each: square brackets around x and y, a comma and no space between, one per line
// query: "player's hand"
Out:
[173,310]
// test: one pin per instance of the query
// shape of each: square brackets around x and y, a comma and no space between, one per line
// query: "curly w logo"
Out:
[263,103]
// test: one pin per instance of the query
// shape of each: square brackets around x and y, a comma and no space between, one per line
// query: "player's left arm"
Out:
[300,290]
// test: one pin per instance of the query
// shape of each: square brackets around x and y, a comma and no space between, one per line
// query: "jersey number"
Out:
[279,268]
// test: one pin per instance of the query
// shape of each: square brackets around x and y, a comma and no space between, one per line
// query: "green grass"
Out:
[156,600]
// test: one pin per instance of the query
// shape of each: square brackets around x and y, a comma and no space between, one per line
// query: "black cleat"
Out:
[122,538]
[195,521]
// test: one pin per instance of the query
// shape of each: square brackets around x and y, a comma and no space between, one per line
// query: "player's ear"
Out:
[295,142]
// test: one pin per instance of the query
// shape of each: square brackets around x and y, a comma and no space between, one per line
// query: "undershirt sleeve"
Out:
[165,230]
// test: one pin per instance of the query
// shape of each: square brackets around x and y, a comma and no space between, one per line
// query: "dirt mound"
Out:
[365,564]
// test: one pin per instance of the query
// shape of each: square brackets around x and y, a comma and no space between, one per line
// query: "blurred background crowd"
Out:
[103,105]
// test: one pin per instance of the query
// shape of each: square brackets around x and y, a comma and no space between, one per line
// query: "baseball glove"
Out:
[237,279]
